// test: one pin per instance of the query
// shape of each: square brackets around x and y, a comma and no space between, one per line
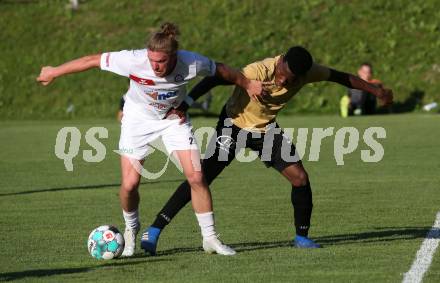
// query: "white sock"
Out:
[206,223]
[131,219]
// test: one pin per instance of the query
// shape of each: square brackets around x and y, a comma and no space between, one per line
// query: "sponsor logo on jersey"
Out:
[158,95]
[152,94]
[141,80]
[166,95]
[159,106]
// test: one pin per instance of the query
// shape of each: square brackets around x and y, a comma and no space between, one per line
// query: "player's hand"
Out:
[255,89]
[47,75]
[385,95]
[178,113]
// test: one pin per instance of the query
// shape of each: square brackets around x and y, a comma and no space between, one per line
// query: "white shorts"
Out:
[138,133]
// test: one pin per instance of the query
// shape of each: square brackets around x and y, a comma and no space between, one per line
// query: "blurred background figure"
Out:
[358,102]
[74,4]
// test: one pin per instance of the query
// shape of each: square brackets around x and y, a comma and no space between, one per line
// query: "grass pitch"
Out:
[370,217]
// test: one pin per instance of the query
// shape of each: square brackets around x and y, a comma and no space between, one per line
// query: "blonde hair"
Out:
[165,39]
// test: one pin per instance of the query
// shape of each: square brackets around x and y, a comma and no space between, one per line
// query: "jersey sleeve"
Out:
[117,62]
[317,73]
[254,72]
[205,66]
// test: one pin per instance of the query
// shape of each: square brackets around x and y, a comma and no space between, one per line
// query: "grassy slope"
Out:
[370,217]
[398,37]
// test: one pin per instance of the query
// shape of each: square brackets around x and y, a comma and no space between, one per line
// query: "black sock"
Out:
[302,207]
[177,201]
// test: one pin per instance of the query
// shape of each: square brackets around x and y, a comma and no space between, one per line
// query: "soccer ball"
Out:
[105,242]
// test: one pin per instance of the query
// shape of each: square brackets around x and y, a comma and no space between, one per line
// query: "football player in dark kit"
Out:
[254,119]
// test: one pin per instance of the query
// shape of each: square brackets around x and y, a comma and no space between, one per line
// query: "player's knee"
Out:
[301,179]
[195,179]
[130,185]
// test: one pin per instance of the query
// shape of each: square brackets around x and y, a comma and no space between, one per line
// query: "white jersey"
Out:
[148,95]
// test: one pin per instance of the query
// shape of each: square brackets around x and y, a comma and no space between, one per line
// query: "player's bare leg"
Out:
[202,206]
[201,201]
[302,203]
[192,169]
[129,198]
[296,175]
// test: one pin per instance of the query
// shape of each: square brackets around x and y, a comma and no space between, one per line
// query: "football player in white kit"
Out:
[158,77]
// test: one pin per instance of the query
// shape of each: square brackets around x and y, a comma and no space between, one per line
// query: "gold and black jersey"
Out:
[255,115]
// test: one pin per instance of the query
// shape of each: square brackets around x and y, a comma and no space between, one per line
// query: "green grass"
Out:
[399,37]
[371,217]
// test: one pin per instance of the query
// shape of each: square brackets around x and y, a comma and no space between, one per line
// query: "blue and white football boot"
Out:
[149,240]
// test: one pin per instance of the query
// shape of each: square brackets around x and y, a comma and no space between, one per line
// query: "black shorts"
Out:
[273,147]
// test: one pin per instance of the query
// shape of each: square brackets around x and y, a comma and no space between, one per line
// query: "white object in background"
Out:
[70,108]
[430,106]
[74,4]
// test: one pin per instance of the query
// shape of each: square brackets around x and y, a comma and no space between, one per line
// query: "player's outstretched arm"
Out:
[205,85]
[253,88]
[352,81]
[224,75]
[49,73]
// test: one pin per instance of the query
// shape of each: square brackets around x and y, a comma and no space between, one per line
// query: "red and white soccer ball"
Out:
[105,242]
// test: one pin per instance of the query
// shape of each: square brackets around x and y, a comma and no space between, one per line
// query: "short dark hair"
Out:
[299,60]
[367,64]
